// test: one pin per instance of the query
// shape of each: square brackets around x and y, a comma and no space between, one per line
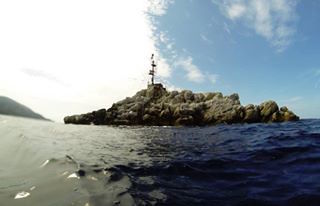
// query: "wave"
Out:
[256,164]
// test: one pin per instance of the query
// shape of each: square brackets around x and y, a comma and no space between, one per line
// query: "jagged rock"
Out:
[155,91]
[277,116]
[156,106]
[173,94]
[252,114]
[267,109]
[166,114]
[185,120]
[235,97]
[199,97]
[150,120]
[209,96]
[290,116]
[284,109]
[188,95]
[99,116]
[284,115]
[223,110]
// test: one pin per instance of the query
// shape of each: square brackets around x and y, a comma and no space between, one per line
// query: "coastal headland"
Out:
[159,107]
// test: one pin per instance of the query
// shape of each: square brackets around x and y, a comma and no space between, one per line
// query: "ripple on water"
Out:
[256,164]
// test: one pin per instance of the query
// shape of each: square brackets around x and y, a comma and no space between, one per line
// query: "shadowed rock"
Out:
[157,106]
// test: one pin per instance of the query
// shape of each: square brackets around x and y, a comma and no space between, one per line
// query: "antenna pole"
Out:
[152,71]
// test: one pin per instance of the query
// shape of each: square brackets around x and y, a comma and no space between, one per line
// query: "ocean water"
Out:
[44,163]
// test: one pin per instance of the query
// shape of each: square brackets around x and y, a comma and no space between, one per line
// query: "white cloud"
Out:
[213,78]
[163,68]
[226,28]
[159,7]
[100,50]
[170,86]
[292,99]
[272,19]
[170,46]
[194,74]
[41,74]
[163,38]
[205,39]
[236,10]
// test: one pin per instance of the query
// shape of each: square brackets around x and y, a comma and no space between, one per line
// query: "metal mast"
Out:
[152,71]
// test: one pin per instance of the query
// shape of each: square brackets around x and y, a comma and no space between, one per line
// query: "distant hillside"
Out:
[11,107]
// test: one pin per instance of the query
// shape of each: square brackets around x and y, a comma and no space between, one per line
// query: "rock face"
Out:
[156,106]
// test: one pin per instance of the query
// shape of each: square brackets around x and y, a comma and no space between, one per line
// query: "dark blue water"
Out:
[252,164]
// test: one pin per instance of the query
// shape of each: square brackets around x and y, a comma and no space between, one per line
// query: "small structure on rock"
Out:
[155,90]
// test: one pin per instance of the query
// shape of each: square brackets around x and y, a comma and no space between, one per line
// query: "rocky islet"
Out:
[157,106]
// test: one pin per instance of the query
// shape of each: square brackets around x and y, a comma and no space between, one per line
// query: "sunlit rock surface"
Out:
[157,106]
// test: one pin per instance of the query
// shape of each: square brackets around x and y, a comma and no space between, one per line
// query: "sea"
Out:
[52,164]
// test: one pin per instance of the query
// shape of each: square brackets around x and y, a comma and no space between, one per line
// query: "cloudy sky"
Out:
[73,56]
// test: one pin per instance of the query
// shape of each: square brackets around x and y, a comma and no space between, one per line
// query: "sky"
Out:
[68,57]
